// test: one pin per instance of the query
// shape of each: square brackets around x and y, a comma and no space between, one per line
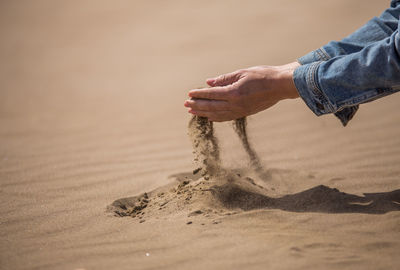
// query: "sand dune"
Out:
[92,117]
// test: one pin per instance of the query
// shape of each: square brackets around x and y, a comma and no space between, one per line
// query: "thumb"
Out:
[224,79]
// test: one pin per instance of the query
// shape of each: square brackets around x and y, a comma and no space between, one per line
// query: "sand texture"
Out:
[96,163]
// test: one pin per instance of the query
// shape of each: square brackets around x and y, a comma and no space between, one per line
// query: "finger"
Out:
[215,116]
[207,105]
[224,79]
[216,93]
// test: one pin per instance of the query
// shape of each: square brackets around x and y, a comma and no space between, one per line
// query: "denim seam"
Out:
[367,96]
[316,89]
[320,56]
[395,87]
[327,56]
[311,78]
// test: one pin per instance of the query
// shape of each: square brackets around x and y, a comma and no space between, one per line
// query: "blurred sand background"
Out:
[91,110]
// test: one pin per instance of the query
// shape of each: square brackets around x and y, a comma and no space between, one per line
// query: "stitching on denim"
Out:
[322,55]
[312,81]
[395,87]
[326,55]
[312,77]
[318,55]
[367,96]
[314,87]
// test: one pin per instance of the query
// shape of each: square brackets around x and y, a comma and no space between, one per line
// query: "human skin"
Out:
[243,92]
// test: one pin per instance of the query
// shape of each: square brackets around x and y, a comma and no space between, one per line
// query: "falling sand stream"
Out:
[206,149]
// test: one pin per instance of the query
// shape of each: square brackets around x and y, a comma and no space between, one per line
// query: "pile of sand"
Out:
[212,191]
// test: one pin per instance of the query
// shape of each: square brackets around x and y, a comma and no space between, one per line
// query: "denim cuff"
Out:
[314,56]
[305,80]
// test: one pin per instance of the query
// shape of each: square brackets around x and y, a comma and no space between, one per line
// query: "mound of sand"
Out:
[211,191]
[233,192]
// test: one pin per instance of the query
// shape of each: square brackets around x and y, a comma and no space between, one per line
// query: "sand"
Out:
[92,118]
[206,150]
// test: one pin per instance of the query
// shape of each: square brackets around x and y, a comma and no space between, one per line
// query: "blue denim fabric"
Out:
[362,67]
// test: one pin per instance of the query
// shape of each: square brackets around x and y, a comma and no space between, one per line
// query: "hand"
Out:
[243,92]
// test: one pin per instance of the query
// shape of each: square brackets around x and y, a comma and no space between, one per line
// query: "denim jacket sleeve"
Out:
[376,29]
[360,68]
[348,80]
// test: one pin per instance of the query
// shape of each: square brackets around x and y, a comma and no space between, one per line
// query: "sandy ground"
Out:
[91,111]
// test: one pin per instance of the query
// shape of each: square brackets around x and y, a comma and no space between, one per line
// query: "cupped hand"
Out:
[243,92]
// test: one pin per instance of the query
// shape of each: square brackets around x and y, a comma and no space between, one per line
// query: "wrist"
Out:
[288,87]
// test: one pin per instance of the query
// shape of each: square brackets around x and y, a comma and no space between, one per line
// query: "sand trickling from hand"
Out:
[205,145]
[239,125]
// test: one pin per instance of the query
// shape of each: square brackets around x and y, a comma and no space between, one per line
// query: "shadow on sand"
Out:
[235,191]
[317,199]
